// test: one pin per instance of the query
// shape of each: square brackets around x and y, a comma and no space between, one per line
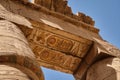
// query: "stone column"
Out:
[107,69]
[17,61]
[11,73]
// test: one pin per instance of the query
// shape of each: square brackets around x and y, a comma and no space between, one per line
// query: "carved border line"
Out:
[76,46]
[53,58]
[58,43]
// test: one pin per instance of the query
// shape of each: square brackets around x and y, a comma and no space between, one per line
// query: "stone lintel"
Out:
[60,47]
[58,43]
[55,60]
[56,39]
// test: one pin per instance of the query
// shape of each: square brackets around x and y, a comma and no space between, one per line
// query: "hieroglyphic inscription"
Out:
[59,59]
[56,58]
[58,42]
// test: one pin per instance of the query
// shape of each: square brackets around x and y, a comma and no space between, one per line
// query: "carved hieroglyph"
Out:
[56,51]
[58,42]
[59,39]
[56,60]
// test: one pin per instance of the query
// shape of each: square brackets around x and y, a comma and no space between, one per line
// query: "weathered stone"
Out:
[62,7]
[111,50]
[11,73]
[107,69]
[55,59]
[97,52]
[58,3]
[58,39]
[7,15]
[14,49]
[38,2]
[53,19]
[45,3]
[59,43]
[82,17]
[68,11]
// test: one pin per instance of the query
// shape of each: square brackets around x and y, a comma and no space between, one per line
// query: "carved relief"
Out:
[56,58]
[59,59]
[58,42]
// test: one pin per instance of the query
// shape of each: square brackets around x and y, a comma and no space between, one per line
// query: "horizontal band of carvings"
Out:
[54,14]
[24,62]
[39,25]
[63,43]
[65,63]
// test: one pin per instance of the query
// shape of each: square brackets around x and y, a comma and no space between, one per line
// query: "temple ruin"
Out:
[47,33]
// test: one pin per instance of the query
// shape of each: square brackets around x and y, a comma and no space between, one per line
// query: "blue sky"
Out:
[106,14]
